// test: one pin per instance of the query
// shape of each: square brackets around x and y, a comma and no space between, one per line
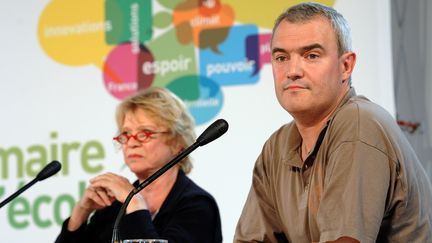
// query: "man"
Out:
[342,171]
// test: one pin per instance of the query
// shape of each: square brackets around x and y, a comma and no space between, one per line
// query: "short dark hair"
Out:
[304,12]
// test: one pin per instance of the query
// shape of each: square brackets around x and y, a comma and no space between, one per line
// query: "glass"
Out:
[145,241]
[141,136]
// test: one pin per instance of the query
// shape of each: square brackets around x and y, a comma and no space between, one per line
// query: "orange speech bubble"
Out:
[193,18]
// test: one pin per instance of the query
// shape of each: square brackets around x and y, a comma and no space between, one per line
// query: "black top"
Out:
[189,214]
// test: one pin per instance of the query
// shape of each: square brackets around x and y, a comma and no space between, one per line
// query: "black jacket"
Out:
[189,214]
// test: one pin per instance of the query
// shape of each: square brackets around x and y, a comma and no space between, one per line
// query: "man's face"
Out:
[307,68]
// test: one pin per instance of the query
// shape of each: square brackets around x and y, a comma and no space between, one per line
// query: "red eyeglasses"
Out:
[141,136]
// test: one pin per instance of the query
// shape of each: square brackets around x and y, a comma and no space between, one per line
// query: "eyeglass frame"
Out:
[147,134]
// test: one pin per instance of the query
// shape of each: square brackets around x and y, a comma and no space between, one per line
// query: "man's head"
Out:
[305,12]
[311,60]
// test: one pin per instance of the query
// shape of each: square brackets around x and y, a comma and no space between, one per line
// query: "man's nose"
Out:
[294,68]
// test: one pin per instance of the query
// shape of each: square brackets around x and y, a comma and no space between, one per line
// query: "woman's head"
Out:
[168,111]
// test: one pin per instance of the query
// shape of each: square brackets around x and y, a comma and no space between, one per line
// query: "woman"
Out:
[154,126]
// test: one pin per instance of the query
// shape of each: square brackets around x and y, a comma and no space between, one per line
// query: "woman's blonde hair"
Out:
[166,108]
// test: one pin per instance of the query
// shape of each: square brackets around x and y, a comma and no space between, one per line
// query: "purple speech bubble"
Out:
[258,49]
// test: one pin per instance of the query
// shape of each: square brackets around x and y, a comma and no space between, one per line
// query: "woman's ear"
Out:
[176,146]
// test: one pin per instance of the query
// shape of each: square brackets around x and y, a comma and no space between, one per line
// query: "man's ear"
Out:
[348,61]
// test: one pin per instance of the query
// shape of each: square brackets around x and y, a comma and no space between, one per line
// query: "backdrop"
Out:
[66,64]
[412,49]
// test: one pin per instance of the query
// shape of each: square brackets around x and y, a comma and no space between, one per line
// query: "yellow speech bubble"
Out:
[264,13]
[72,32]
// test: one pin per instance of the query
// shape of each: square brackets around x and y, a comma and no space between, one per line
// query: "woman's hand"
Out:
[94,198]
[115,186]
[119,187]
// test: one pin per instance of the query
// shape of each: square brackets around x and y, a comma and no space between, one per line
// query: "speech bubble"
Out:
[232,67]
[264,13]
[179,61]
[162,20]
[144,80]
[209,103]
[211,38]
[123,71]
[131,21]
[198,17]
[80,32]
[258,49]
[202,96]
[209,7]
[186,87]
[170,4]
[73,32]
[120,72]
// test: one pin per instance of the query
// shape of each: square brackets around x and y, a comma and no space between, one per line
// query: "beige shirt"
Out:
[363,181]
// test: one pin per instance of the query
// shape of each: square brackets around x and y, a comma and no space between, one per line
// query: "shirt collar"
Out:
[294,138]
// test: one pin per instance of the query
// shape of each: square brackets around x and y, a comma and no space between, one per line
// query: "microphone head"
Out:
[49,170]
[214,131]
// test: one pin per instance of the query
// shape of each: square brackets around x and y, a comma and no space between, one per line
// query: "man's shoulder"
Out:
[359,110]
[360,119]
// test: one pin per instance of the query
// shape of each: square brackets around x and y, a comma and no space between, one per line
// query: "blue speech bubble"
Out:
[231,66]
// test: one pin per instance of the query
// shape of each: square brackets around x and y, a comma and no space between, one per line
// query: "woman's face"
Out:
[147,156]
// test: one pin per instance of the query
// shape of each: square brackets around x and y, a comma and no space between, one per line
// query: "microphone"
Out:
[211,133]
[49,170]
[214,131]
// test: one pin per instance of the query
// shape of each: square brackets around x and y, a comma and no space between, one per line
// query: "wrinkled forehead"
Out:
[315,31]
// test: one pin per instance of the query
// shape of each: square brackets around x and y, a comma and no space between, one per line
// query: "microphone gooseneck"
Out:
[49,170]
[211,133]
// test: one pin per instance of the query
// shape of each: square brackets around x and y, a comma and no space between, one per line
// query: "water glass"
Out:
[145,241]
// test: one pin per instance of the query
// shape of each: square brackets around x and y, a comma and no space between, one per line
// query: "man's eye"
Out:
[280,58]
[312,56]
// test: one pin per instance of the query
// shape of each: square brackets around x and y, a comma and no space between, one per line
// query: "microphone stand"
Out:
[49,170]
[21,190]
[146,182]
